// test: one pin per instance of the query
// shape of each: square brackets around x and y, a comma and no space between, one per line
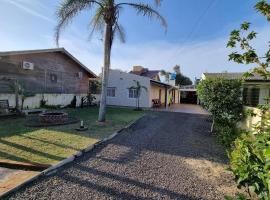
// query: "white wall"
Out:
[52,99]
[122,81]
[249,122]
[264,93]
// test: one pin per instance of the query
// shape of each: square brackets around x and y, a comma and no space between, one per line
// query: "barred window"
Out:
[111,92]
[132,93]
[251,96]
[53,78]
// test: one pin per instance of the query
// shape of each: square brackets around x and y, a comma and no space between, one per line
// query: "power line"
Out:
[193,29]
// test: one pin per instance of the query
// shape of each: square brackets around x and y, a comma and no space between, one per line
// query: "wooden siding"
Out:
[46,65]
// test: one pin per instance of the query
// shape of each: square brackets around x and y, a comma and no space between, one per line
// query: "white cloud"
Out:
[31,7]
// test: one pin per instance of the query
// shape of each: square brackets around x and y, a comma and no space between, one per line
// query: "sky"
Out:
[196,37]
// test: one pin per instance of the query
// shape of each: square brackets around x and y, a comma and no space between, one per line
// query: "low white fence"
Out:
[51,99]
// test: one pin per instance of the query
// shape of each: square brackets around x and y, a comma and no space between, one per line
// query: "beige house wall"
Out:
[154,93]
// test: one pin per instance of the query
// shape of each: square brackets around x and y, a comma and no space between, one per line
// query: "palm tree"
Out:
[20,91]
[105,20]
[138,88]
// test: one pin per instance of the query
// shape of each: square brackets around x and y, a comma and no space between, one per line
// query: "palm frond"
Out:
[146,10]
[118,30]
[97,23]
[67,10]
[145,88]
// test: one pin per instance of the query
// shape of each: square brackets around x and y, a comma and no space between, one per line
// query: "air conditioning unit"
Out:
[28,65]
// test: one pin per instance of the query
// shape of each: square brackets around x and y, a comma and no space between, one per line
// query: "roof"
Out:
[235,75]
[61,50]
[147,73]
[161,83]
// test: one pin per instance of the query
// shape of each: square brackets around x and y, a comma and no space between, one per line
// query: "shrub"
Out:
[226,134]
[250,162]
[222,98]
[88,100]
[73,102]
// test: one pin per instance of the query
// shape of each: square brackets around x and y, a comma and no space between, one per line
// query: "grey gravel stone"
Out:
[163,156]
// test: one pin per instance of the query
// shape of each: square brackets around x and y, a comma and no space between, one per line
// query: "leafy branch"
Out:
[241,39]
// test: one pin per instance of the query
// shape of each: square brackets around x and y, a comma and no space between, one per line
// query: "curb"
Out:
[53,169]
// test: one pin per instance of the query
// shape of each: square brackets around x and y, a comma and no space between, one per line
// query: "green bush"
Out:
[250,163]
[226,134]
[222,98]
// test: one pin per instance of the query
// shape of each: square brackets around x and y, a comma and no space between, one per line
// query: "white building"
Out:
[255,89]
[120,94]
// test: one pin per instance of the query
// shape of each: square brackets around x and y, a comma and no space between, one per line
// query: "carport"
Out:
[188,95]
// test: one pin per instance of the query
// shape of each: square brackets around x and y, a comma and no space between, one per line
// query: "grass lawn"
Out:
[52,144]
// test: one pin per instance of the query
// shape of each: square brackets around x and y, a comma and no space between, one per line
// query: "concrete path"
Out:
[165,155]
[185,108]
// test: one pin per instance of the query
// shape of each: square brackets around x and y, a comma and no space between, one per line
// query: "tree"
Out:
[222,98]
[138,88]
[177,69]
[165,74]
[105,21]
[19,90]
[182,80]
[241,38]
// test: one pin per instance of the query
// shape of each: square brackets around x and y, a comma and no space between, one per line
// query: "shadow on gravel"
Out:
[178,134]
[123,180]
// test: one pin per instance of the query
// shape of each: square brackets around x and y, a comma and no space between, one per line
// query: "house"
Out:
[120,93]
[256,90]
[50,74]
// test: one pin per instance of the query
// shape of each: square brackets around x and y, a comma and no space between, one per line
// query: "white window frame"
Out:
[133,96]
[109,94]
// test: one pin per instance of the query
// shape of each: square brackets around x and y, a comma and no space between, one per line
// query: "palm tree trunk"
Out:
[105,75]
[22,104]
[139,94]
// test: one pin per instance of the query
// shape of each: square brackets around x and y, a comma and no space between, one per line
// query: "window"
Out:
[132,93]
[111,92]
[53,78]
[251,96]
[80,75]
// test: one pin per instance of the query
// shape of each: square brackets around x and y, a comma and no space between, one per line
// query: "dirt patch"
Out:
[212,172]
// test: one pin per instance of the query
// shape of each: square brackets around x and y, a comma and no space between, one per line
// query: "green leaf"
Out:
[245,26]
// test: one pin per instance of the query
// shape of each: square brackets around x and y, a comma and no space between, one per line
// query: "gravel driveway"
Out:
[163,156]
